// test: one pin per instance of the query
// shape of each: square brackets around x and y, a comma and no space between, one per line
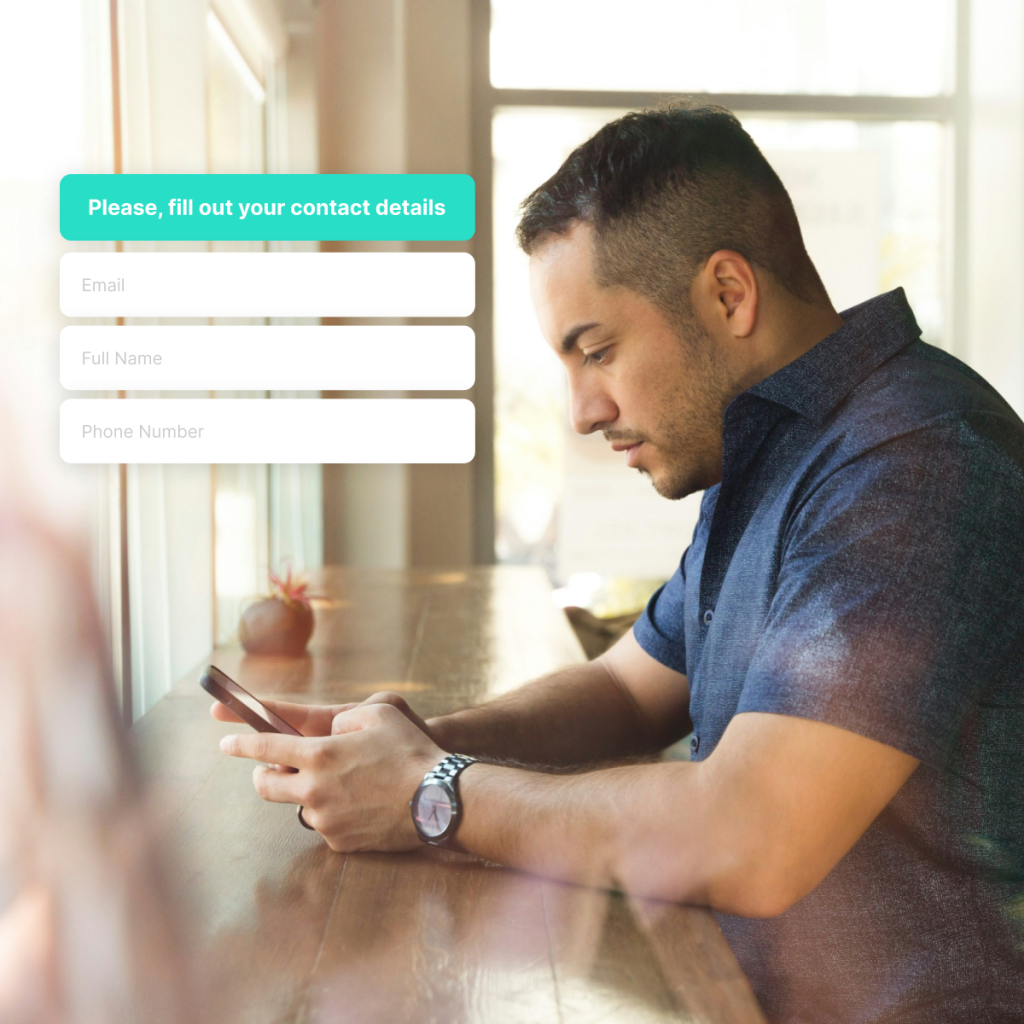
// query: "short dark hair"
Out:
[665,189]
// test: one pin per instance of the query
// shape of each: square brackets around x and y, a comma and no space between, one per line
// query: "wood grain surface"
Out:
[291,933]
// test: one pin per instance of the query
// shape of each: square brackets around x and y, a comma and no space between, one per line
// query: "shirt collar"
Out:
[816,382]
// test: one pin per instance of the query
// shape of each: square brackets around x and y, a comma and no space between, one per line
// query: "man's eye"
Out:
[595,357]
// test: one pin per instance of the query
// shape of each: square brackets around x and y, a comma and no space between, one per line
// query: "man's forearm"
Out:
[577,716]
[749,831]
[629,828]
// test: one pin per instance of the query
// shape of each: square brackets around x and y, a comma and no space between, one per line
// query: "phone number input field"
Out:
[254,430]
[264,284]
[245,358]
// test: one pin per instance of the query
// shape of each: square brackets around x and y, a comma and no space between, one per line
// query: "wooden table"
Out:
[293,932]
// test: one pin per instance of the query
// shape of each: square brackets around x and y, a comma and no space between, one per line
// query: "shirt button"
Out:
[694,743]
[708,616]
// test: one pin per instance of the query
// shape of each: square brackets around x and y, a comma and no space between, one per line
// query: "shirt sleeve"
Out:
[900,596]
[660,630]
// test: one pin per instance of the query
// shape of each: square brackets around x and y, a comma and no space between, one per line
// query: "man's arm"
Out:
[749,831]
[622,704]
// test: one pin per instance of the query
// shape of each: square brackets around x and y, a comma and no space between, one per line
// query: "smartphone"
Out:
[252,711]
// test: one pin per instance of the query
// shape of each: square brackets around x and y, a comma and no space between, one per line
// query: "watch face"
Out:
[433,810]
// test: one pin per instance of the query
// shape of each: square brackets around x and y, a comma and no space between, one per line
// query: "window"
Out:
[198,541]
[860,124]
[811,47]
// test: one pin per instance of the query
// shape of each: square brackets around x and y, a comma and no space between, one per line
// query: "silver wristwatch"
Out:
[436,809]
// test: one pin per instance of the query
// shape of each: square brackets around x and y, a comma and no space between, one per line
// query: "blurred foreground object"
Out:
[86,931]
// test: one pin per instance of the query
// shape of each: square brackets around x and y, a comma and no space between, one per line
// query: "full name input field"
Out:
[253,358]
[265,284]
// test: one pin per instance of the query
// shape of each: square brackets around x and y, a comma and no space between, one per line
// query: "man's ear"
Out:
[728,292]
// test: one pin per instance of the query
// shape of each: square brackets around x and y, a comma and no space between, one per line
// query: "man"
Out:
[844,636]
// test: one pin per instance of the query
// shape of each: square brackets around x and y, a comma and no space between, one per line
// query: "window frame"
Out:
[951,110]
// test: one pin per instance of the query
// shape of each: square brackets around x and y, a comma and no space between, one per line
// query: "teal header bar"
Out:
[267,207]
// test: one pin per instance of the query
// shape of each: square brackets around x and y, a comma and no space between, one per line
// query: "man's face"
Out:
[656,390]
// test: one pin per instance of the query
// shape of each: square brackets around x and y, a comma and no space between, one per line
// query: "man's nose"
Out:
[590,408]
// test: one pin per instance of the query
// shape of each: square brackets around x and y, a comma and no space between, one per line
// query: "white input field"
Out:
[267,358]
[275,430]
[223,284]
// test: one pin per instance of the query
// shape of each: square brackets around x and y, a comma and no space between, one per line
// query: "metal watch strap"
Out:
[445,773]
[448,769]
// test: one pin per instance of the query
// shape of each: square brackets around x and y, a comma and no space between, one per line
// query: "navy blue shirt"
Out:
[861,563]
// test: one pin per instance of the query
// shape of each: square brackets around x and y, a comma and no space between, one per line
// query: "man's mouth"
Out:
[631,451]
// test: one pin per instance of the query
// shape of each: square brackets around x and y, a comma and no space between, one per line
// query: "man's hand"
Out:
[621,705]
[355,784]
[318,719]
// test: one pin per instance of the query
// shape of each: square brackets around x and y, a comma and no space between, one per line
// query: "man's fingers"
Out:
[395,700]
[363,716]
[319,719]
[275,748]
[278,787]
[398,701]
[339,713]
[309,719]
[223,713]
[387,697]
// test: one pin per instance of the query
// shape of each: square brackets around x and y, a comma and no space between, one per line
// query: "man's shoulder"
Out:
[923,397]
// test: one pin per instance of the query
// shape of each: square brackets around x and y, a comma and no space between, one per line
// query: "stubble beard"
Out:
[689,431]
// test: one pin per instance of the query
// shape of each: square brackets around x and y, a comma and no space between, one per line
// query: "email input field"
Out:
[229,284]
